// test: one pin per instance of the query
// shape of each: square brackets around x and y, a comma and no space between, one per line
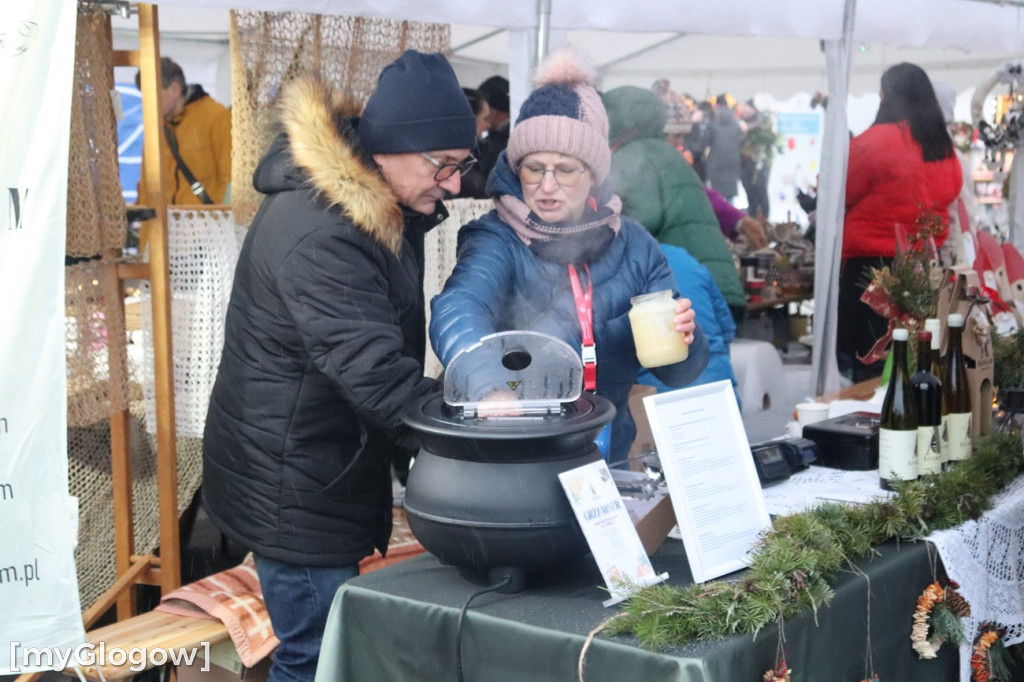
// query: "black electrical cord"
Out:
[462,614]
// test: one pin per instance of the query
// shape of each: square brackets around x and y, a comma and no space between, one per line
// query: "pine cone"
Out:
[957,605]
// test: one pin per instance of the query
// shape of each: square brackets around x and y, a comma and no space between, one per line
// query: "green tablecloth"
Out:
[399,624]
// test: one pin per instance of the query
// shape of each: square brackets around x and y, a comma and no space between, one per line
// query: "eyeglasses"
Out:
[566,175]
[446,170]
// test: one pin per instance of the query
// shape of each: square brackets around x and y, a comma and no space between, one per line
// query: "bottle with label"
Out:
[956,396]
[933,325]
[897,433]
[928,402]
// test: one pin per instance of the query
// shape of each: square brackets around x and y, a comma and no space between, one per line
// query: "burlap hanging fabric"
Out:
[96,211]
[268,49]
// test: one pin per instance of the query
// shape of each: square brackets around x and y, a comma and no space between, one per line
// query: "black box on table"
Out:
[846,442]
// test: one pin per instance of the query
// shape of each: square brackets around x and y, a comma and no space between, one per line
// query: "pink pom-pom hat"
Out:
[563,114]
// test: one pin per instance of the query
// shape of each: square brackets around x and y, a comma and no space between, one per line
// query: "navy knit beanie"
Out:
[418,106]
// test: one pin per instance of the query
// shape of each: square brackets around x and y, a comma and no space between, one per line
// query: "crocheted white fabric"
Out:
[987,558]
[202,252]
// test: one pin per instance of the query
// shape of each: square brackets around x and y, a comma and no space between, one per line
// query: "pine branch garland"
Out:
[947,626]
[792,564]
[1008,360]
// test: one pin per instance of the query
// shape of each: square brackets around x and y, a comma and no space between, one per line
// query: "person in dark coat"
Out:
[724,139]
[697,138]
[493,123]
[756,153]
[325,337]
[557,228]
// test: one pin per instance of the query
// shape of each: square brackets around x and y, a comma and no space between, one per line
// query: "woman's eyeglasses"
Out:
[566,175]
[446,170]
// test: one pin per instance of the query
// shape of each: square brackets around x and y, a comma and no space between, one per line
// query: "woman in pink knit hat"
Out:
[555,255]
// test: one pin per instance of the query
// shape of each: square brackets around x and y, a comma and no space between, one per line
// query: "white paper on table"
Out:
[609,531]
[715,491]
[813,486]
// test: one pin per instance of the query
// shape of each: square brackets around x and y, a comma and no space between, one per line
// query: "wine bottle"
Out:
[927,391]
[933,325]
[897,435]
[956,395]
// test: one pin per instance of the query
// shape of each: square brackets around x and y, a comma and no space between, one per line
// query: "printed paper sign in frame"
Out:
[715,491]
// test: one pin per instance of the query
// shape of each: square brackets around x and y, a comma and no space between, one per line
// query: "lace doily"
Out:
[987,558]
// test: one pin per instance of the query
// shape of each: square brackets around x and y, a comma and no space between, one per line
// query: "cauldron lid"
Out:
[431,414]
[515,372]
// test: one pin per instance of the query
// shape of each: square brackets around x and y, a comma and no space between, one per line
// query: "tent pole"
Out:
[543,28]
[523,47]
[831,207]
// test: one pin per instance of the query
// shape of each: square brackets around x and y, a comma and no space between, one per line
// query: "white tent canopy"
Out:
[961,24]
[741,62]
[868,33]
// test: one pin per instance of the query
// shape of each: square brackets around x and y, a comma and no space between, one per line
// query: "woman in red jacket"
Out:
[903,164]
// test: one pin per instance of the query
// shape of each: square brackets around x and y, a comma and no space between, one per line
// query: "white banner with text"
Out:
[39,603]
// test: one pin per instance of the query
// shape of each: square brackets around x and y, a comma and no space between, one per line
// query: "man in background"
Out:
[195,142]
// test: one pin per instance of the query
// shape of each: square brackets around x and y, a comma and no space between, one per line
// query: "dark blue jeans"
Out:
[298,599]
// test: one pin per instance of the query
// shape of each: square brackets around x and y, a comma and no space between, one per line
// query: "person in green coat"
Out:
[662,192]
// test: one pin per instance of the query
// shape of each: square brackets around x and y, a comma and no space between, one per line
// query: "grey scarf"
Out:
[582,241]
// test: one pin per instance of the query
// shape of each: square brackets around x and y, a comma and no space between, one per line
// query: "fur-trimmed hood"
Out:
[320,149]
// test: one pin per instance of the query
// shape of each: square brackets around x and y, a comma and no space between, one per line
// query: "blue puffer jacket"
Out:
[499,285]
[696,283]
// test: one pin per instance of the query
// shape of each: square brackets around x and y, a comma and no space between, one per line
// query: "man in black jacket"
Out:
[324,337]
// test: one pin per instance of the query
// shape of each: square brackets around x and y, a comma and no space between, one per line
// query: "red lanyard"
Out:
[585,313]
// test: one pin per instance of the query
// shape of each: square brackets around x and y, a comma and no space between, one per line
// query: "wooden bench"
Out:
[148,631]
[157,630]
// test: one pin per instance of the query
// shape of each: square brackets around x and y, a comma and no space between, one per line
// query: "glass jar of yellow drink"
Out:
[652,319]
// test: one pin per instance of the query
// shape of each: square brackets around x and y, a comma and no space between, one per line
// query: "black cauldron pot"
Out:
[484,495]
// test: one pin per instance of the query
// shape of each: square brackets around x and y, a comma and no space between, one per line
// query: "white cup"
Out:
[808,413]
